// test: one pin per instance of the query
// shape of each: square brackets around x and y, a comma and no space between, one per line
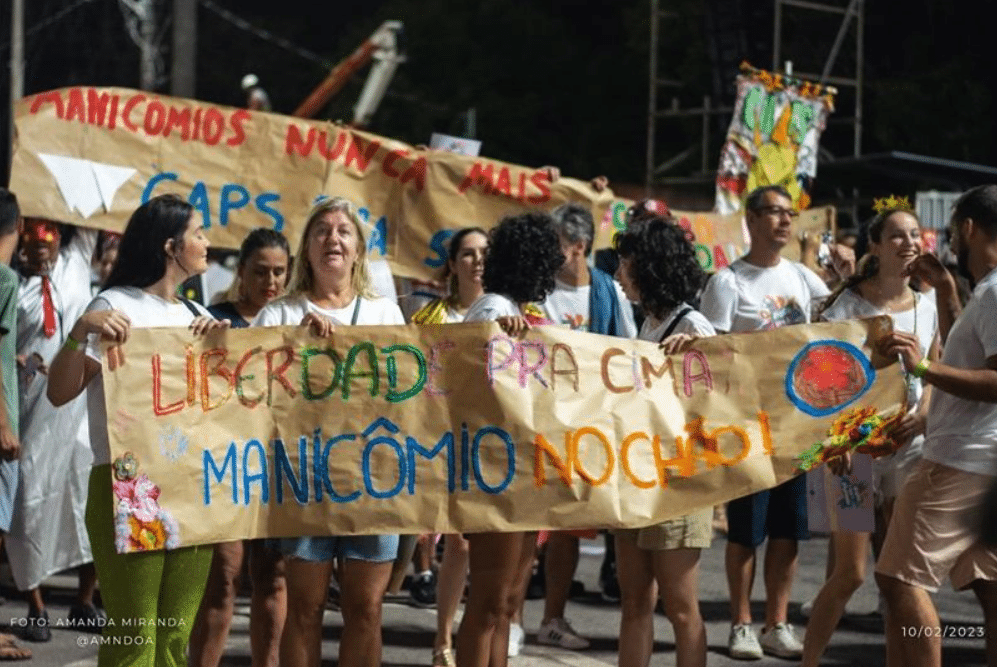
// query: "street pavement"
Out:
[408,631]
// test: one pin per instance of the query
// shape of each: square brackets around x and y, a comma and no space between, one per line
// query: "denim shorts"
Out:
[780,512]
[369,548]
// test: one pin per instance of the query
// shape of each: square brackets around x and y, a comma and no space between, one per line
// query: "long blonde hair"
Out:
[302,278]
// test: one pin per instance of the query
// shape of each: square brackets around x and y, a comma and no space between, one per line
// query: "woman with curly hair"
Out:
[523,255]
[658,270]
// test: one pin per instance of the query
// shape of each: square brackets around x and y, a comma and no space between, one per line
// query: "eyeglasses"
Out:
[778,212]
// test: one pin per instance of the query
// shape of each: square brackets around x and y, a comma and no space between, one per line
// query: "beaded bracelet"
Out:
[72,343]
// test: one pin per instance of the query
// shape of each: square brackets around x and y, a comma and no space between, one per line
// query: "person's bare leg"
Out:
[850,552]
[87,577]
[450,583]
[780,570]
[635,571]
[740,564]
[560,562]
[35,601]
[677,574]
[524,570]
[986,593]
[268,606]
[307,589]
[483,636]
[907,607]
[214,617]
[362,588]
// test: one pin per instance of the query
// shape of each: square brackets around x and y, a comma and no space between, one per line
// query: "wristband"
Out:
[72,343]
[921,368]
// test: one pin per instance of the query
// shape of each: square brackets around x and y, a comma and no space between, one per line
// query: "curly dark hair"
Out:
[663,264]
[524,253]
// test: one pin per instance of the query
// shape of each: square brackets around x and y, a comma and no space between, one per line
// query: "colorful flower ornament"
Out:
[140,524]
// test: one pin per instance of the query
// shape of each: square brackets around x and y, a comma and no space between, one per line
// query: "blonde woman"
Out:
[330,287]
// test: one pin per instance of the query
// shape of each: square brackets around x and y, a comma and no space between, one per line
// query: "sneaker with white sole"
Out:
[517,638]
[743,644]
[558,632]
[781,641]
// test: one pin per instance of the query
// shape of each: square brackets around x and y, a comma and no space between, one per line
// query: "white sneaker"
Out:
[743,644]
[517,638]
[558,632]
[781,641]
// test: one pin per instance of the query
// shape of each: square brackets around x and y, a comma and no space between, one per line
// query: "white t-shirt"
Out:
[570,305]
[921,320]
[962,434]
[490,307]
[745,297]
[290,310]
[692,323]
[144,310]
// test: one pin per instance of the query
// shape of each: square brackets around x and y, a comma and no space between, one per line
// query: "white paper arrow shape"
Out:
[86,185]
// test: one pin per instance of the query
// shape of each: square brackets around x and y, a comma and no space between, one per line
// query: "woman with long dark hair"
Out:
[464,272]
[879,286]
[658,270]
[524,254]
[162,246]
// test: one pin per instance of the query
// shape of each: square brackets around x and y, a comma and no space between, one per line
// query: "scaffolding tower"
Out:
[728,47]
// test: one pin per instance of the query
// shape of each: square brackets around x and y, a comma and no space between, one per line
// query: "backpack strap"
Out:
[675,321]
[191,307]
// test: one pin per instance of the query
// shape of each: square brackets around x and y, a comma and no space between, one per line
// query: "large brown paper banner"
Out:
[90,156]
[459,428]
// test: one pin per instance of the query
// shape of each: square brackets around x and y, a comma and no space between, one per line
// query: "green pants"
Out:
[150,598]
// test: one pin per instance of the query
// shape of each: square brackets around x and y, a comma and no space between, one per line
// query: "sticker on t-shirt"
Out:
[779,311]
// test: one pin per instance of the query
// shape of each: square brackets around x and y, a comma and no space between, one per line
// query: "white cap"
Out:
[249,81]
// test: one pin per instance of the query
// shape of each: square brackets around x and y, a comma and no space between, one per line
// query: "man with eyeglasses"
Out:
[935,531]
[760,291]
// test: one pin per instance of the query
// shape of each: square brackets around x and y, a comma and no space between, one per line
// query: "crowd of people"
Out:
[531,269]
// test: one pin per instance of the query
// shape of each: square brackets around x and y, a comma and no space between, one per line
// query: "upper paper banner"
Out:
[90,156]
[459,428]
[772,139]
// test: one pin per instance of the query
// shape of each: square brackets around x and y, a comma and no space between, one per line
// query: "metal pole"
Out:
[652,101]
[777,36]
[706,133]
[838,39]
[183,75]
[859,75]
[16,65]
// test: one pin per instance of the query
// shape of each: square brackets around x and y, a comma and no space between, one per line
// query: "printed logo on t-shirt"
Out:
[780,312]
[575,321]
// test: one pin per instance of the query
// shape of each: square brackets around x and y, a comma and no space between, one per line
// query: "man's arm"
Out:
[971,384]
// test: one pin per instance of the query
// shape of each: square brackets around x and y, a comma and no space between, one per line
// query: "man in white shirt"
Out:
[934,531]
[586,299]
[762,290]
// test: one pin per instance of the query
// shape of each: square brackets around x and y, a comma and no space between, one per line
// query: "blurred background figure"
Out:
[256,98]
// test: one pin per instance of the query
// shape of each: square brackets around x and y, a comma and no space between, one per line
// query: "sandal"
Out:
[10,651]
[443,657]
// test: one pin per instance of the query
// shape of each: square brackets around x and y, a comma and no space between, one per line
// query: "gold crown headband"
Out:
[892,202]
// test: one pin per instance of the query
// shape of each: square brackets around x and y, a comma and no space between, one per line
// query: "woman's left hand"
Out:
[676,343]
[203,324]
[513,325]
[909,427]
